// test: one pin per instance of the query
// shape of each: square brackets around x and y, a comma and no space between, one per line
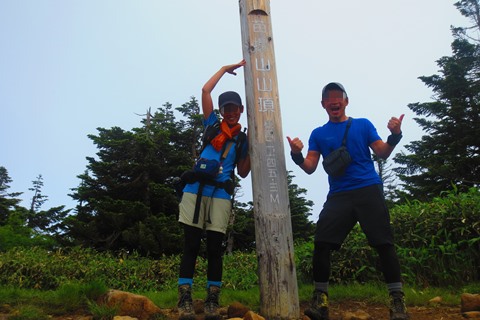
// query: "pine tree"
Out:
[449,156]
[8,201]
[126,196]
[300,211]
[44,221]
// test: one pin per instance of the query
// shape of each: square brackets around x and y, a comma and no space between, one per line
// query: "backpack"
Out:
[211,131]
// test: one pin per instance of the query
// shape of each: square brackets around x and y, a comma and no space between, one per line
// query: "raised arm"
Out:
[207,102]
[384,149]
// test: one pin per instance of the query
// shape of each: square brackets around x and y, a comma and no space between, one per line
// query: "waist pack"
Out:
[337,162]
[207,168]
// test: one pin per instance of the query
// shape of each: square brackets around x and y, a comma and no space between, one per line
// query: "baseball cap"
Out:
[333,86]
[229,97]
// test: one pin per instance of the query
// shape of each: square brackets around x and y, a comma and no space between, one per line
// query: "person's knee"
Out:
[214,244]
[322,248]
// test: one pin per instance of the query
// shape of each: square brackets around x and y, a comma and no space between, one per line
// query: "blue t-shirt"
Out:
[361,171]
[228,164]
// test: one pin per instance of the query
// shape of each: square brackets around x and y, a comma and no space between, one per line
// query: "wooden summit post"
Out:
[273,226]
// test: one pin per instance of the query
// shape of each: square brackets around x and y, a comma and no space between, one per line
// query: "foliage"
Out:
[24,227]
[22,302]
[355,261]
[386,173]
[69,297]
[126,197]
[439,241]
[16,234]
[438,244]
[29,312]
[242,231]
[303,260]
[44,221]
[8,201]
[300,210]
[102,311]
[449,156]
[41,269]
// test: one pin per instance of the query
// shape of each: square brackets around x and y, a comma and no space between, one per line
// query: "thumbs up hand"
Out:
[395,125]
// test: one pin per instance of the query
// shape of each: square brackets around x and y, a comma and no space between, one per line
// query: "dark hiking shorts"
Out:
[343,210]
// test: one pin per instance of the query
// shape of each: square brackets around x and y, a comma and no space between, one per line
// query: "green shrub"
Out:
[438,244]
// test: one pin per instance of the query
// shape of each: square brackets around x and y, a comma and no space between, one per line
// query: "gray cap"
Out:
[333,86]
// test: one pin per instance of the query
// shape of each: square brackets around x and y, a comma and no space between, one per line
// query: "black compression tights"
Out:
[321,262]
[191,247]
[388,260]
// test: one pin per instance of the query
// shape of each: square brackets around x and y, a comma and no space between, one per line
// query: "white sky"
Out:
[69,67]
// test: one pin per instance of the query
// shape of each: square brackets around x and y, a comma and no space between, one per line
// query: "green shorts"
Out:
[214,212]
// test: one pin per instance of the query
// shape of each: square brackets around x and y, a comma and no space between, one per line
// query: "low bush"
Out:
[438,244]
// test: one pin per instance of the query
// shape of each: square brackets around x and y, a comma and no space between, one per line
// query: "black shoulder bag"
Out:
[338,160]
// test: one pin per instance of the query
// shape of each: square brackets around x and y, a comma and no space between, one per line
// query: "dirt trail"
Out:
[337,309]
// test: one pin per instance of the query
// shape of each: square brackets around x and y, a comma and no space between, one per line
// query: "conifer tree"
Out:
[8,201]
[449,156]
[126,196]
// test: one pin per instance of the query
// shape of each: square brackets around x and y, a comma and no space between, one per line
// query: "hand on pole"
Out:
[232,67]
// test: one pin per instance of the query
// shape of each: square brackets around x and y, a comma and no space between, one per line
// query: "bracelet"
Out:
[394,139]
[297,158]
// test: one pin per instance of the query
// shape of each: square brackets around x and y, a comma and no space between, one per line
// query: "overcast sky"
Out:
[68,67]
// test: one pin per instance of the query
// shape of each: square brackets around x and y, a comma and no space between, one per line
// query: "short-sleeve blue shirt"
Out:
[228,164]
[361,172]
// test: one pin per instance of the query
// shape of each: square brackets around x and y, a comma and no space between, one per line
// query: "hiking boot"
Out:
[211,303]
[185,303]
[319,307]
[398,309]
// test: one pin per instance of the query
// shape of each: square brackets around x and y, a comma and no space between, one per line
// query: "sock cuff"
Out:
[183,281]
[322,286]
[394,286]
[214,283]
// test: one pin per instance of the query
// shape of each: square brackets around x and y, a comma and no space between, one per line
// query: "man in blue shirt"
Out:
[356,195]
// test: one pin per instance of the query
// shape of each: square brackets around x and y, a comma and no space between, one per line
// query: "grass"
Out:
[68,298]
[369,292]
[23,303]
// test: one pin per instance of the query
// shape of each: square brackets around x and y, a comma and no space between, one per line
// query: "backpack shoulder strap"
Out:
[240,142]
[210,132]
[226,149]
[344,140]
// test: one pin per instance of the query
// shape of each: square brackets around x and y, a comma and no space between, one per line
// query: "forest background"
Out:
[127,206]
